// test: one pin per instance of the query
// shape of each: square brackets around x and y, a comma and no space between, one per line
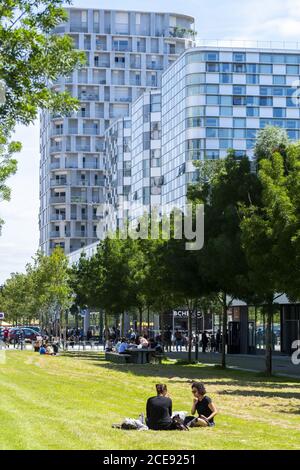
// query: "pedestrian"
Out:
[204,341]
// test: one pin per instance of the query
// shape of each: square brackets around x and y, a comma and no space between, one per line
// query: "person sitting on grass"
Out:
[159,410]
[43,349]
[204,406]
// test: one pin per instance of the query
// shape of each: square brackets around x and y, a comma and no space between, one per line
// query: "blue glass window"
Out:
[265,90]
[265,58]
[212,56]
[292,59]
[294,135]
[279,112]
[225,133]
[251,68]
[251,133]
[239,68]
[278,91]
[239,57]
[212,99]
[212,67]
[225,78]
[252,112]
[292,124]
[212,122]
[239,122]
[239,133]
[291,102]
[250,144]
[239,90]
[267,69]
[292,69]
[213,89]
[266,101]
[278,59]
[252,79]
[194,57]
[239,100]
[279,80]
[211,132]
[252,100]
[212,154]
[226,68]
[225,111]
[225,143]
[225,100]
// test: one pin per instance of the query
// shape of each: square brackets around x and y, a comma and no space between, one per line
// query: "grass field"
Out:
[71,403]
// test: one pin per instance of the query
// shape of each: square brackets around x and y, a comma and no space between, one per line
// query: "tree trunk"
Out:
[190,336]
[224,332]
[101,326]
[269,316]
[148,320]
[140,321]
[106,331]
[197,340]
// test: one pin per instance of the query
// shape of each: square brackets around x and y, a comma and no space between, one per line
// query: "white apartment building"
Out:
[127,52]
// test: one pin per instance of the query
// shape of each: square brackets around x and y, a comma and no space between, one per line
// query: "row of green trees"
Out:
[40,293]
[251,251]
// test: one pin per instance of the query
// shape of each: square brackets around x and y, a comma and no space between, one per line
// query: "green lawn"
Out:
[71,403]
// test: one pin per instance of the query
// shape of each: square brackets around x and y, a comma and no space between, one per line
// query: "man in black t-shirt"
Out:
[159,410]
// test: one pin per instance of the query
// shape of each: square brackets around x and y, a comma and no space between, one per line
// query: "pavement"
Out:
[282,365]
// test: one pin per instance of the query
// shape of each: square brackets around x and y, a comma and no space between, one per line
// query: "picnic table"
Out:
[141,355]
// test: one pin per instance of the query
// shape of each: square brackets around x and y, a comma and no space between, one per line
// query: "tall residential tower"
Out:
[127,53]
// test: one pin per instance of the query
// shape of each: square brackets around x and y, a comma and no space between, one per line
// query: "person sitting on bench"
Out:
[159,410]
[123,346]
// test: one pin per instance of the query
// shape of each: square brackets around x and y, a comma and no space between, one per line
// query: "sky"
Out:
[270,20]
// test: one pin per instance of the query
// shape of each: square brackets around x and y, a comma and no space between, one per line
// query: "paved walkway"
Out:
[282,365]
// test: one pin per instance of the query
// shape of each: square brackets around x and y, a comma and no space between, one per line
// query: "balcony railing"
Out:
[89,97]
[55,234]
[55,148]
[55,182]
[79,199]
[83,148]
[57,199]
[57,217]
[54,165]
[123,99]
[79,234]
[90,165]
[78,27]
[153,66]
[90,130]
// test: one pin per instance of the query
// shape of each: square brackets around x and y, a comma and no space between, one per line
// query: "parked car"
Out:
[34,328]
[29,334]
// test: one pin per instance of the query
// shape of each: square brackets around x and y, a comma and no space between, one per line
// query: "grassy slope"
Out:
[71,403]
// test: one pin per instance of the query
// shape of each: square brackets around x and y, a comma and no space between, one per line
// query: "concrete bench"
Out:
[118,358]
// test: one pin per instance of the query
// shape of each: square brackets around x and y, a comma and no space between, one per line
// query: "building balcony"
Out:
[180,32]
[78,27]
[57,217]
[152,66]
[55,148]
[79,234]
[83,148]
[78,199]
[54,165]
[55,234]
[88,97]
[56,182]
[90,165]
[90,130]
[123,99]
[57,199]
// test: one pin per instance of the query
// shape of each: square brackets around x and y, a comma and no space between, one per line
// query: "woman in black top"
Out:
[159,410]
[203,405]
